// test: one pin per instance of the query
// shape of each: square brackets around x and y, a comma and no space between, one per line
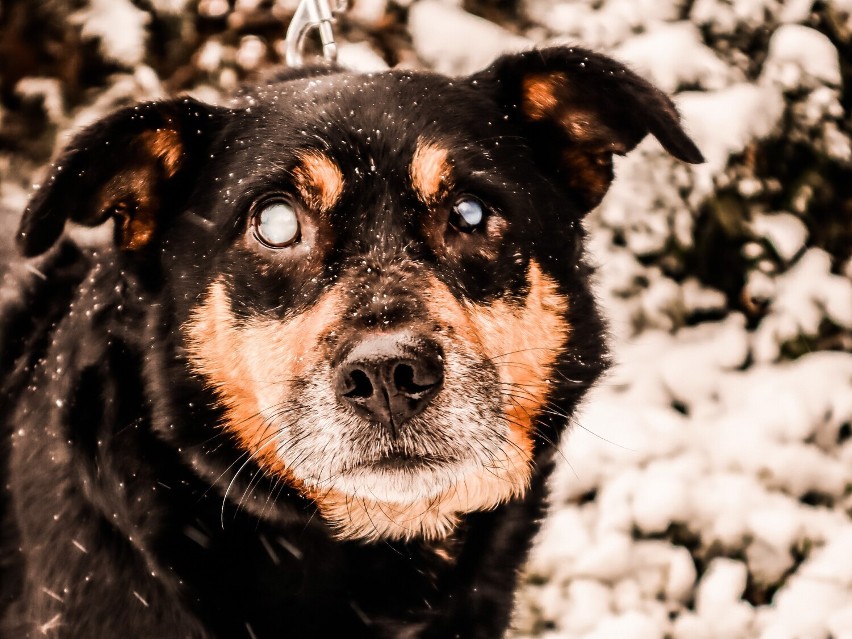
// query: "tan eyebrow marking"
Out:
[319,180]
[430,170]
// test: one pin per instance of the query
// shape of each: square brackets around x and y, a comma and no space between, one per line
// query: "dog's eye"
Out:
[276,225]
[467,215]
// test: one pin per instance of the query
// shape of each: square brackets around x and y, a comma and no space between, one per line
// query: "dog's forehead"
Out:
[384,112]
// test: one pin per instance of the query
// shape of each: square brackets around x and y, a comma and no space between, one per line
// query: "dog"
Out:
[314,383]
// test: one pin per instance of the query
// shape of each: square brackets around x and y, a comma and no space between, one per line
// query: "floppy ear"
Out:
[131,166]
[579,108]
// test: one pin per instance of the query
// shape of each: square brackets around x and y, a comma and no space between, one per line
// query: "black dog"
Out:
[314,387]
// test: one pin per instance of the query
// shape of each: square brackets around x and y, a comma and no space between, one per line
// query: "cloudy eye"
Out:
[467,215]
[276,225]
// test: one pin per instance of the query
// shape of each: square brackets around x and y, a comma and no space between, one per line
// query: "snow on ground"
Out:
[705,491]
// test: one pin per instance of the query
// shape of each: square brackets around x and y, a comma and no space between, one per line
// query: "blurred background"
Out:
[706,488]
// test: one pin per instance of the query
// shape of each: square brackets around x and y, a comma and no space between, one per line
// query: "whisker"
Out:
[602,438]
[524,350]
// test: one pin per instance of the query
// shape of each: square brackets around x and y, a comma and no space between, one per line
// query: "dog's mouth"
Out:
[408,462]
[399,477]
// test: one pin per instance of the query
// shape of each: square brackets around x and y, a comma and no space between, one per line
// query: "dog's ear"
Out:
[578,108]
[131,165]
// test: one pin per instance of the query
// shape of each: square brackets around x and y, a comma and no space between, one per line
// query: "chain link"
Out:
[310,15]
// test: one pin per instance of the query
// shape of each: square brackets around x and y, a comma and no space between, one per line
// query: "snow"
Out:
[795,10]
[602,25]
[798,54]
[672,55]
[822,587]
[723,474]
[784,231]
[169,7]
[371,12]
[726,16]
[119,26]
[49,91]
[442,35]
[756,111]
[360,56]
[251,52]
[209,57]
[722,585]
[804,295]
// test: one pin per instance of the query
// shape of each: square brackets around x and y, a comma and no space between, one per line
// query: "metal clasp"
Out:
[313,14]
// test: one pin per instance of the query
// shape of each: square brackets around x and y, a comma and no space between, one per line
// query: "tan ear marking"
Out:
[430,170]
[548,97]
[319,180]
[588,172]
[538,94]
[137,225]
[131,197]
[166,146]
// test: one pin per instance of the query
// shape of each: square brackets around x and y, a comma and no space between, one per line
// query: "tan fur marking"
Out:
[588,160]
[165,145]
[430,171]
[582,126]
[131,195]
[538,94]
[588,173]
[319,180]
[548,97]
[137,224]
[261,353]
[523,343]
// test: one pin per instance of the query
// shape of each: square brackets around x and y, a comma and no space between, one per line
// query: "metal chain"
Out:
[310,15]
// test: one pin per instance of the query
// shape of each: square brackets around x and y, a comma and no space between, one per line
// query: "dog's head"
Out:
[379,277]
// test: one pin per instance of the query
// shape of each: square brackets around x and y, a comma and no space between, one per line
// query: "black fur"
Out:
[114,522]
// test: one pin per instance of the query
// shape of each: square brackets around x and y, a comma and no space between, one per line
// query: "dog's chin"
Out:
[400,479]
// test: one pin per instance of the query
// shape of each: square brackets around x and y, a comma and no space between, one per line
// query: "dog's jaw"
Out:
[435,517]
[272,380]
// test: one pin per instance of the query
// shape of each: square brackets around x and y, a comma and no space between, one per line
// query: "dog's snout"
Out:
[390,378]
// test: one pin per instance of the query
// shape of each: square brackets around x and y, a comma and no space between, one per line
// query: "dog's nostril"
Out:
[360,385]
[403,378]
[414,383]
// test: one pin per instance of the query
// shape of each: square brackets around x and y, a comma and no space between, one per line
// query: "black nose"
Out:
[390,378]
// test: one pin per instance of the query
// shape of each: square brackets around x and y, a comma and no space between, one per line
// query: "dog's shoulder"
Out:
[34,294]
